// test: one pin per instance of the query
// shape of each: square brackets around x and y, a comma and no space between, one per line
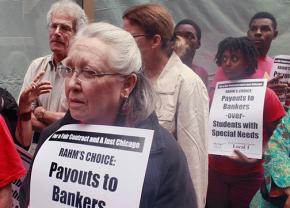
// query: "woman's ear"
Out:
[156,41]
[275,34]
[128,85]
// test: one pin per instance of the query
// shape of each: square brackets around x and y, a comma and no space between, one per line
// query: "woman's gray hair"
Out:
[124,58]
[72,9]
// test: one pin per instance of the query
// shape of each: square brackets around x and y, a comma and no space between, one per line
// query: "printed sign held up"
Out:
[281,67]
[236,118]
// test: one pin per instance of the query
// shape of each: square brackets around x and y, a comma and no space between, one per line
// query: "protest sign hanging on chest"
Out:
[91,166]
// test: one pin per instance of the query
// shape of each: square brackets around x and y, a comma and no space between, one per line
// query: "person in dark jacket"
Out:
[8,109]
[105,85]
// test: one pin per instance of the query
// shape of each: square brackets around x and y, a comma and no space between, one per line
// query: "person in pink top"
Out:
[191,33]
[233,180]
[262,30]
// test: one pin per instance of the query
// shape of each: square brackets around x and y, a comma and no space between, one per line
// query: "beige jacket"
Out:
[182,108]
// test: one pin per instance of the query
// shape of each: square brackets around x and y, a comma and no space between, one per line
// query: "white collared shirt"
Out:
[183,108]
[55,100]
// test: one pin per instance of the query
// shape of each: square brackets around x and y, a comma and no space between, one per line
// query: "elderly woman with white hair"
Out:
[105,85]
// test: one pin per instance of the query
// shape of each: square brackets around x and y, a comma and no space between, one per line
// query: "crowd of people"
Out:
[144,76]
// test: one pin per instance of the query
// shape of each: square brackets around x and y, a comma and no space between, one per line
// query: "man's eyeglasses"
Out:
[85,74]
[62,28]
[140,35]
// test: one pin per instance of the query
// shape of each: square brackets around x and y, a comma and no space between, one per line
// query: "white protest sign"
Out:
[26,159]
[281,67]
[91,166]
[236,118]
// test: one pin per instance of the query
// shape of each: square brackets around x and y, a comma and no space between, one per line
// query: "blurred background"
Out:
[24,34]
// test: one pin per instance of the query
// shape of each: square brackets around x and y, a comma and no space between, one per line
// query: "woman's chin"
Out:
[77,115]
[231,76]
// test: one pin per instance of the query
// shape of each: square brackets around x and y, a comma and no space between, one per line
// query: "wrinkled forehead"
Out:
[90,50]
[61,17]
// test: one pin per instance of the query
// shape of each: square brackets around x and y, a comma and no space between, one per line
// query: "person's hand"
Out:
[243,159]
[287,192]
[180,46]
[39,113]
[278,87]
[33,90]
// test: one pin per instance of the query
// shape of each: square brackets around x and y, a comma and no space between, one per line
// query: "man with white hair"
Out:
[64,19]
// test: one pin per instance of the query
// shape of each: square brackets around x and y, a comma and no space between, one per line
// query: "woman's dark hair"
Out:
[246,47]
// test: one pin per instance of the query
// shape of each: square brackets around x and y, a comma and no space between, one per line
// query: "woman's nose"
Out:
[228,62]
